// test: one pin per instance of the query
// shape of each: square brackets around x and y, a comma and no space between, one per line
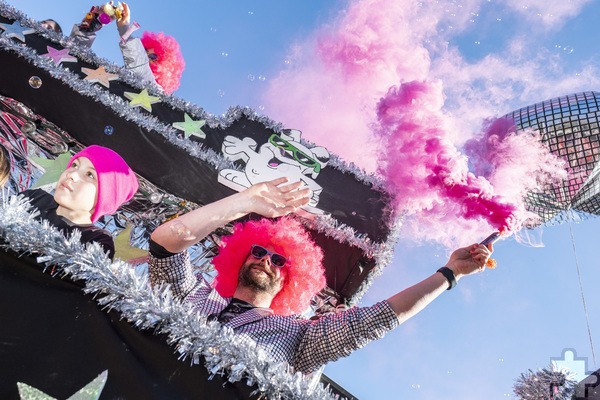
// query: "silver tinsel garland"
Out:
[546,384]
[127,290]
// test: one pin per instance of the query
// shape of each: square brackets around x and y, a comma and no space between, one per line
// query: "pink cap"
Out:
[116,181]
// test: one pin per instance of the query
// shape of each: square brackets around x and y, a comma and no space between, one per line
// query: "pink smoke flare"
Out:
[423,168]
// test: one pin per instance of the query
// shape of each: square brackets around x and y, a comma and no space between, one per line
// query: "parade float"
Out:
[82,324]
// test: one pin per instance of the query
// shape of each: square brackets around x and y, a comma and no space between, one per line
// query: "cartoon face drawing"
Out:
[283,155]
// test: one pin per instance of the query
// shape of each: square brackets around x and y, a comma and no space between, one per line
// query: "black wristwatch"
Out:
[449,275]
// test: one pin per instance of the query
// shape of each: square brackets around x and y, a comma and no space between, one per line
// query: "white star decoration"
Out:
[16,30]
[190,127]
[59,56]
[142,99]
[99,75]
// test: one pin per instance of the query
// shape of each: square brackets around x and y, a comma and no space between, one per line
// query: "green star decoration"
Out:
[91,391]
[142,99]
[27,392]
[52,168]
[123,248]
[190,127]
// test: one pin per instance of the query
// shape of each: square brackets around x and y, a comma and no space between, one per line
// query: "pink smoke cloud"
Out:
[515,164]
[432,182]
[332,88]
[424,170]
[336,78]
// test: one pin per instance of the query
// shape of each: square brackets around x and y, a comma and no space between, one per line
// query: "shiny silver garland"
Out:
[546,384]
[117,104]
[128,291]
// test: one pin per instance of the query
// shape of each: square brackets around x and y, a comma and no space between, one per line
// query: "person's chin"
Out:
[61,196]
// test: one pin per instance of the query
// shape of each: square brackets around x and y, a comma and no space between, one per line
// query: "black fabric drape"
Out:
[56,339]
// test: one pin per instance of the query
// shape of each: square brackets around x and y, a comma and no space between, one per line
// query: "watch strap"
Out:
[449,275]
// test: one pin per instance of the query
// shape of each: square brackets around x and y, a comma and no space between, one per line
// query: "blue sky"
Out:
[492,57]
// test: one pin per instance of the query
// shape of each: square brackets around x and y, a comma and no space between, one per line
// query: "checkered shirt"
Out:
[304,344]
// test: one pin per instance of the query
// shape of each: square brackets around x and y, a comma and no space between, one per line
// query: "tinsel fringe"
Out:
[128,291]
[547,383]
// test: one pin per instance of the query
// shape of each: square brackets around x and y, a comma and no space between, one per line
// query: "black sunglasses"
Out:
[276,259]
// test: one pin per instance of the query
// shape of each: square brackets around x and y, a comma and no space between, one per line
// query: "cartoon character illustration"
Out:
[282,155]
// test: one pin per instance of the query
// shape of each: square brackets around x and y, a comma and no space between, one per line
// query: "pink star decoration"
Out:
[59,56]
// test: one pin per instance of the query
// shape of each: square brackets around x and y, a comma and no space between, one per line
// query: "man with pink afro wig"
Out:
[268,271]
[286,236]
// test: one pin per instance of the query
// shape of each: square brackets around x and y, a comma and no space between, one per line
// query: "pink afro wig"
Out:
[169,65]
[305,273]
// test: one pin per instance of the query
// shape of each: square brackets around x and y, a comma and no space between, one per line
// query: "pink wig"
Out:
[305,273]
[169,65]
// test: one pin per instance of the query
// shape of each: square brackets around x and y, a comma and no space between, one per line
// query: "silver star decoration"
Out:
[16,30]
[190,127]
[91,391]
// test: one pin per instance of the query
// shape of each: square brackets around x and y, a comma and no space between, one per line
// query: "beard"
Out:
[258,282]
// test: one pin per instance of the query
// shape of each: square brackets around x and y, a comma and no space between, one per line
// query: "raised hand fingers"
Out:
[481,253]
[278,181]
[289,191]
[125,10]
[295,195]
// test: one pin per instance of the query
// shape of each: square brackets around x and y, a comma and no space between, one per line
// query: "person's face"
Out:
[77,187]
[260,274]
[50,25]
[152,56]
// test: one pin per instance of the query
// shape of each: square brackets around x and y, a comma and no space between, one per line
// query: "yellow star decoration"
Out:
[142,99]
[190,127]
[99,75]
[125,251]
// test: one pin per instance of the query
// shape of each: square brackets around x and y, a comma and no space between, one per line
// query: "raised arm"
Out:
[462,262]
[269,199]
[337,335]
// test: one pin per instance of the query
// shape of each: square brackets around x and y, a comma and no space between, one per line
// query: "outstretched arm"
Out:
[269,199]
[337,335]
[134,54]
[463,262]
